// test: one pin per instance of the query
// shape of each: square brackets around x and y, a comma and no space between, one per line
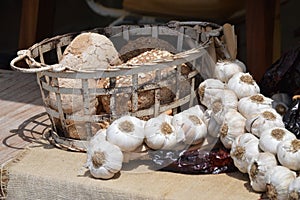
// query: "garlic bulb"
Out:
[103,158]
[196,110]
[278,179]
[161,134]
[243,85]
[232,126]
[251,105]
[294,189]
[241,64]
[224,70]
[270,138]
[208,89]
[243,149]
[266,119]
[258,168]
[127,132]
[288,153]
[194,129]
[98,137]
[221,103]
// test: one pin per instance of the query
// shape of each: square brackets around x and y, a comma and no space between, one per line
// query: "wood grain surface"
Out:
[22,115]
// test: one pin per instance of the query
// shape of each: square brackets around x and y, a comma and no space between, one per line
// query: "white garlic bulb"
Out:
[161,134]
[194,129]
[243,85]
[270,138]
[251,105]
[98,137]
[294,189]
[241,64]
[103,158]
[232,126]
[225,69]
[278,179]
[258,168]
[222,102]
[208,89]
[266,119]
[288,153]
[243,149]
[195,110]
[127,132]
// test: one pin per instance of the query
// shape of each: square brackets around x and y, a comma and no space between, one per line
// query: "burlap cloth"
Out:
[45,172]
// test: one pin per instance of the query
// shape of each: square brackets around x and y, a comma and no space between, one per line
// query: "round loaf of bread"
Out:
[135,47]
[90,51]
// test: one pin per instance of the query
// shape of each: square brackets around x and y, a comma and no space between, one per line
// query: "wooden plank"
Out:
[28,24]
[22,115]
[46,16]
[259,33]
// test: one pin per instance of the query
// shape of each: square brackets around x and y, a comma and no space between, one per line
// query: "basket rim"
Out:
[35,66]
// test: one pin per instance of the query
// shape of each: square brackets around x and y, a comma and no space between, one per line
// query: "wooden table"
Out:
[22,115]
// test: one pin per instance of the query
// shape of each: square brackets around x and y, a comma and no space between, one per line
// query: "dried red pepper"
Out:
[198,161]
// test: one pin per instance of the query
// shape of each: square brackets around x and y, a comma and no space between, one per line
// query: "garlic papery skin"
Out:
[208,89]
[225,69]
[288,154]
[161,134]
[127,132]
[193,127]
[243,149]
[277,182]
[270,138]
[98,137]
[243,85]
[266,119]
[195,110]
[213,128]
[251,105]
[206,116]
[241,64]
[104,159]
[232,126]
[258,168]
[294,189]
[221,102]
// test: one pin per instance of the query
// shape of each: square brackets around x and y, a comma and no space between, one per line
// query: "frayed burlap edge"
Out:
[4,172]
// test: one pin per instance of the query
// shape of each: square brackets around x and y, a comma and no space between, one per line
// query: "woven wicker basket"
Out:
[191,39]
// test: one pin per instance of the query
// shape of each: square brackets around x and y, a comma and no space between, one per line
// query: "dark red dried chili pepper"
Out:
[197,161]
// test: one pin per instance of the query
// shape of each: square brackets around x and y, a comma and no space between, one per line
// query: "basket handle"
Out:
[175,23]
[35,66]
